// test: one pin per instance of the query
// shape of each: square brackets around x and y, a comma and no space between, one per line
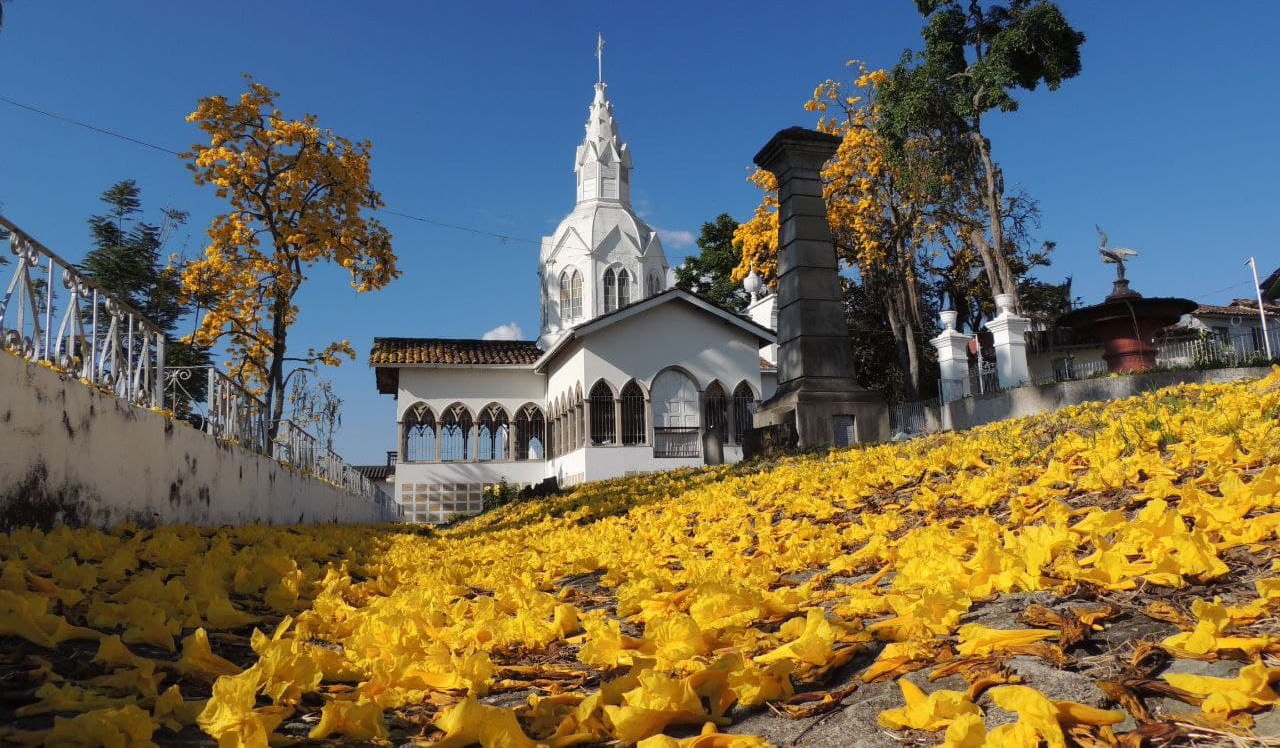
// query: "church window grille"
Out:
[633,427]
[575,296]
[455,434]
[610,291]
[624,288]
[419,434]
[565,297]
[531,427]
[653,284]
[715,408]
[743,406]
[491,436]
[674,403]
[603,427]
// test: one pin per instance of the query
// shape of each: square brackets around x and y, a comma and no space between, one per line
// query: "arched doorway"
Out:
[674,401]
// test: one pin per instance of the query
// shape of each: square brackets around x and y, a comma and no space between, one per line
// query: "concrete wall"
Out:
[70,453]
[1025,401]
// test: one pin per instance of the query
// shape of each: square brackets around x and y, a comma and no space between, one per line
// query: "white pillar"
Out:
[953,359]
[1009,332]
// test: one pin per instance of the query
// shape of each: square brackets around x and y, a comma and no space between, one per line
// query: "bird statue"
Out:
[1115,255]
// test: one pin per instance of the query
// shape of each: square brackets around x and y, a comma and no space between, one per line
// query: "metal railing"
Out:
[670,441]
[911,418]
[1241,349]
[228,411]
[51,313]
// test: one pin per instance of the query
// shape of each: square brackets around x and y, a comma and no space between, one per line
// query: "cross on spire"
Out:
[599,57]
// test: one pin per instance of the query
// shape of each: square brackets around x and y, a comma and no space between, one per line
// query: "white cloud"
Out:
[677,239]
[509,331]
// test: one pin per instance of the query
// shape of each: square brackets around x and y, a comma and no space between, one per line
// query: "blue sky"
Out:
[1167,138]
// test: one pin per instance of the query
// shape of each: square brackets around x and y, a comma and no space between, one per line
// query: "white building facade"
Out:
[626,376]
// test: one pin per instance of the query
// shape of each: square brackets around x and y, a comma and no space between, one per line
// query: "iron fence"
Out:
[52,313]
[1238,349]
[911,418]
[228,411]
[670,441]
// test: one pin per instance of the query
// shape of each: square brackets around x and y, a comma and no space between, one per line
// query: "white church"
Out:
[627,376]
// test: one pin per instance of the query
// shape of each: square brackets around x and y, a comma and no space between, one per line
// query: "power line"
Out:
[88,126]
[136,141]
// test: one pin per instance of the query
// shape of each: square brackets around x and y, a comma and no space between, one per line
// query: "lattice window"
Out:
[440,502]
[604,429]
[633,426]
[419,433]
[575,296]
[582,425]
[610,291]
[566,297]
[530,433]
[715,409]
[455,433]
[743,407]
[492,433]
[624,288]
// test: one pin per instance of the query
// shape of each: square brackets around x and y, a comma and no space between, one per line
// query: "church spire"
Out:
[603,161]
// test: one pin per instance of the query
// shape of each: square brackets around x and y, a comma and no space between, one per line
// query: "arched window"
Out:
[492,432]
[610,291]
[715,411]
[624,288]
[531,428]
[565,297]
[743,406]
[419,434]
[633,430]
[674,402]
[604,430]
[455,433]
[654,284]
[575,296]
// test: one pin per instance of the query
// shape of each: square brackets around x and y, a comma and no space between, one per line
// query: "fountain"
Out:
[1126,321]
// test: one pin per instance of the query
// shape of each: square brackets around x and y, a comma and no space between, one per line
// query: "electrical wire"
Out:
[136,141]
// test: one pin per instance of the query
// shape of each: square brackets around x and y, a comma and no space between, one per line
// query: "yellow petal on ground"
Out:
[199,660]
[471,722]
[926,712]
[125,727]
[978,640]
[357,720]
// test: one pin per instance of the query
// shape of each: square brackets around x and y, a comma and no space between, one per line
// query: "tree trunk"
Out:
[1000,277]
[275,373]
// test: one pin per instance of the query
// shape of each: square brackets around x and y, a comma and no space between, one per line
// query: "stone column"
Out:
[953,359]
[1009,333]
[617,421]
[816,387]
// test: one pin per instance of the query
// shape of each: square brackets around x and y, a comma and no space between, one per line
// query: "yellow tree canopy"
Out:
[867,202]
[297,194]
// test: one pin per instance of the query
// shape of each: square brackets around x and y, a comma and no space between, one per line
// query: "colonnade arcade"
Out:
[456,435]
[673,416]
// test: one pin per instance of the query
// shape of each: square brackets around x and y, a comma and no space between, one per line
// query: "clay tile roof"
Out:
[766,366]
[1238,307]
[464,352]
[375,472]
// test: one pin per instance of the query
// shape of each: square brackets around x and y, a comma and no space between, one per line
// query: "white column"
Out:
[1009,332]
[953,359]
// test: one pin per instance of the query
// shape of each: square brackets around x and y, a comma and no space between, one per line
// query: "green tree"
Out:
[127,261]
[975,55]
[710,272]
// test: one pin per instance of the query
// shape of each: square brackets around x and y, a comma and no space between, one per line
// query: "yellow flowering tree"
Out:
[298,194]
[877,207]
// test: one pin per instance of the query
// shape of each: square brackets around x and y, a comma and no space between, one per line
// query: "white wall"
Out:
[70,453]
[1041,364]
[474,387]
[673,334]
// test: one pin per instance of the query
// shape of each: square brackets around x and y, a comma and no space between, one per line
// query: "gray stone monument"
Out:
[817,395]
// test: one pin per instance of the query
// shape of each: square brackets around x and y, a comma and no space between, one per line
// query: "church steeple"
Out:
[603,162]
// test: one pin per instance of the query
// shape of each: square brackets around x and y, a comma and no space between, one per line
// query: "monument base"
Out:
[840,417]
